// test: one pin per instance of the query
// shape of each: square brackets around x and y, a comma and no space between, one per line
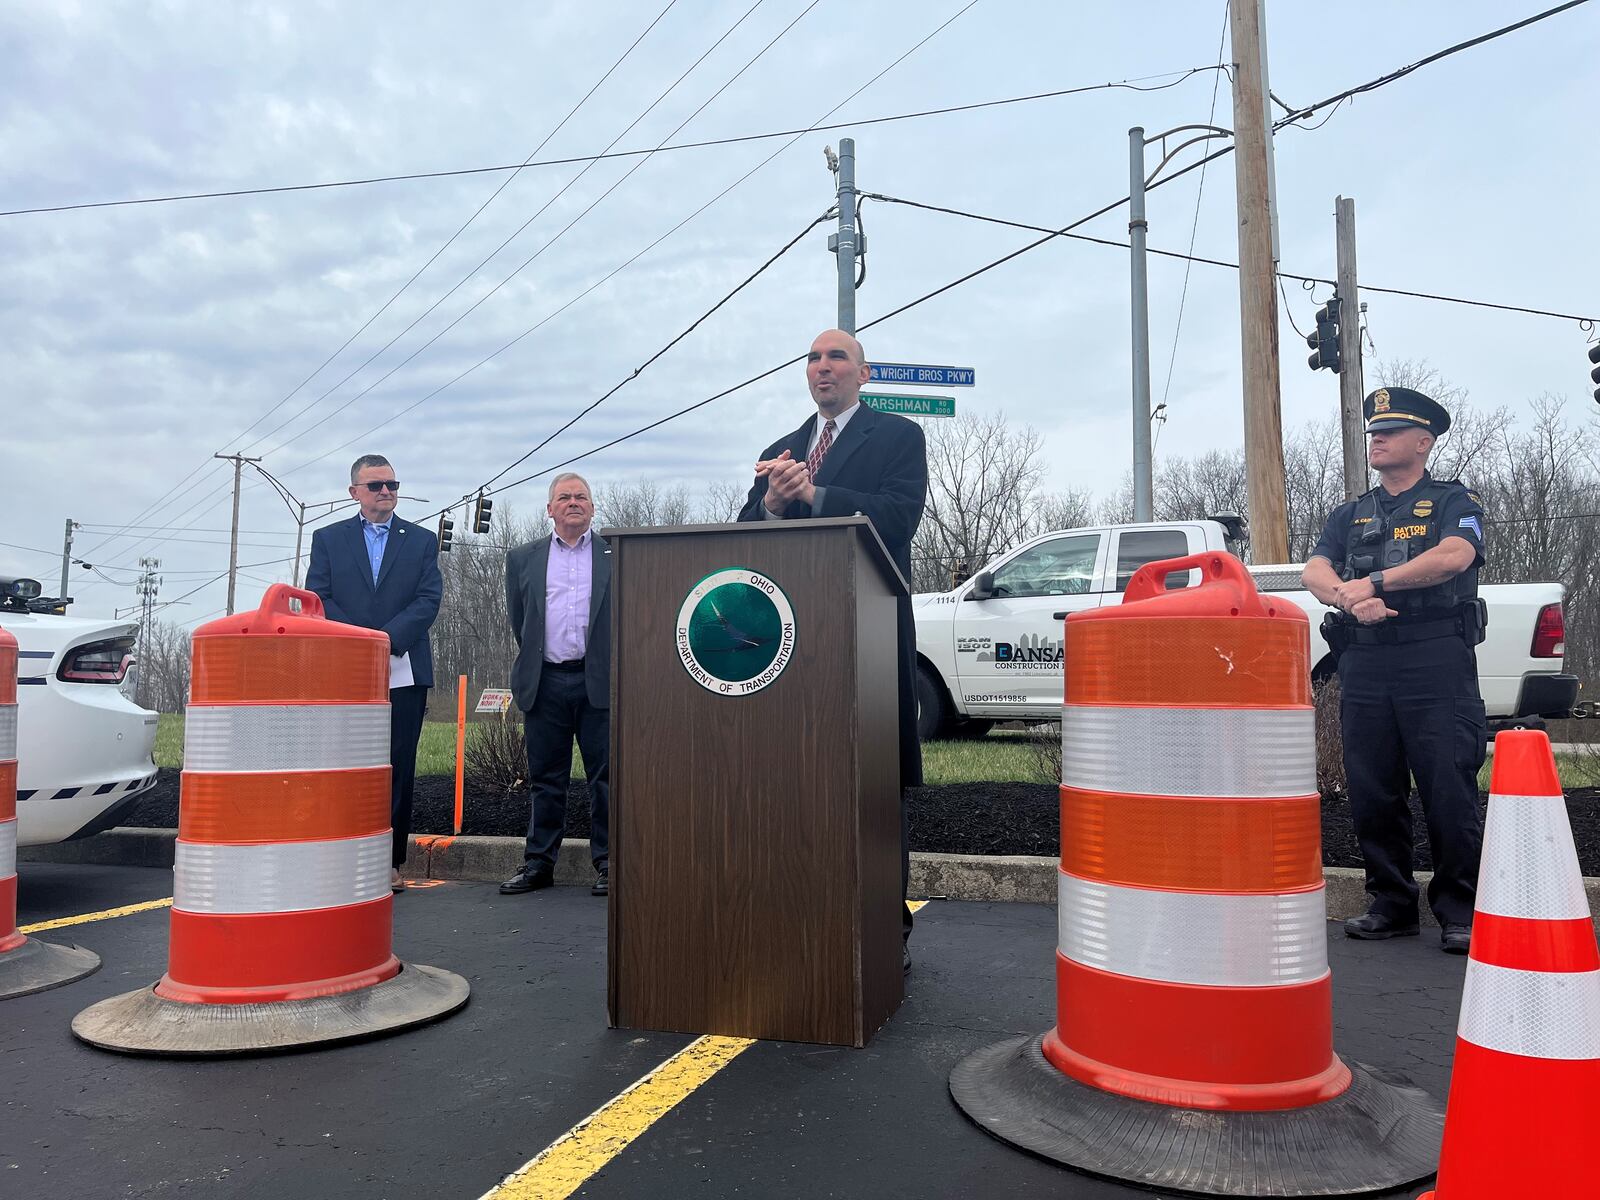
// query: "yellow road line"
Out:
[572,1159]
[563,1166]
[126,910]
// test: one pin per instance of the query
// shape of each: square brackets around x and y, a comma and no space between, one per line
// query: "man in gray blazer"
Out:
[559,595]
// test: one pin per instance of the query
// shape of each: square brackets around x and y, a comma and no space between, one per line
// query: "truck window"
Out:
[1139,546]
[1064,567]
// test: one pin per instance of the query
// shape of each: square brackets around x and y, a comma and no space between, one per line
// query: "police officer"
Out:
[1400,564]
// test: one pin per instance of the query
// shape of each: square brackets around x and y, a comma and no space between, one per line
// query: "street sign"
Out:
[923,376]
[494,700]
[910,406]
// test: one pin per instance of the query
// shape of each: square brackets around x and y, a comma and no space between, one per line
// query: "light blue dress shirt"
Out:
[377,537]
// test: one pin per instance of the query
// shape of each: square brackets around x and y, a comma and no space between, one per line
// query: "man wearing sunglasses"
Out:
[379,572]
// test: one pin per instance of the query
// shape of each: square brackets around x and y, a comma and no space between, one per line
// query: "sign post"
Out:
[461,745]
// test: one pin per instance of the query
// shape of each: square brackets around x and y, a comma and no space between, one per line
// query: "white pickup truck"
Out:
[990,650]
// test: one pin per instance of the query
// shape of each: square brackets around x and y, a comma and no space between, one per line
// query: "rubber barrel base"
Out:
[144,1023]
[37,966]
[1381,1133]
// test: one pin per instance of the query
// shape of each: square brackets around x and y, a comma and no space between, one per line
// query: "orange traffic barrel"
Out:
[27,965]
[1193,1045]
[1525,1085]
[282,915]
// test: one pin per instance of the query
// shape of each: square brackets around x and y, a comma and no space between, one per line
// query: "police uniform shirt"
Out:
[1458,514]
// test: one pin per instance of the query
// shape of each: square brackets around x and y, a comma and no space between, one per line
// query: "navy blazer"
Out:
[526,568]
[403,603]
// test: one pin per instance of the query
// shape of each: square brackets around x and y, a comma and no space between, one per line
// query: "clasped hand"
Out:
[788,480]
[1356,597]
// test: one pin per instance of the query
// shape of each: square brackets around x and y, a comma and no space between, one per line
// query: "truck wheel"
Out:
[932,716]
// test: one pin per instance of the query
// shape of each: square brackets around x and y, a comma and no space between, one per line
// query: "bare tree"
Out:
[161,676]
[983,478]
[641,503]
[721,503]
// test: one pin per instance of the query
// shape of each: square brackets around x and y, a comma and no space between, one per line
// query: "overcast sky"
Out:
[140,340]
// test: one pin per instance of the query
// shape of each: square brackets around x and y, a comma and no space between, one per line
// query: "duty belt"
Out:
[1390,633]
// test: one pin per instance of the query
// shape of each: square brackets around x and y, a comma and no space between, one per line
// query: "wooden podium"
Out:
[755,823]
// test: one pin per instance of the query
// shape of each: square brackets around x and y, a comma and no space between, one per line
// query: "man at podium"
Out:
[847,458]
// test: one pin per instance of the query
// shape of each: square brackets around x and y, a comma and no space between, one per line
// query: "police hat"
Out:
[1402,408]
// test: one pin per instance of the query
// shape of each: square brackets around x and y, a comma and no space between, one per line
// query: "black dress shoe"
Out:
[905,959]
[1456,939]
[1374,927]
[602,884]
[529,879]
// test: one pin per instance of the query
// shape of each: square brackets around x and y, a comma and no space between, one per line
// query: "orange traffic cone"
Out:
[1525,1089]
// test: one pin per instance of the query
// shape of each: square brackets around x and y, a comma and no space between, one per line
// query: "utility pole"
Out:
[1143,483]
[846,244]
[66,558]
[1258,301]
[148,585]
[1351,386]
[238,461]
[299,536]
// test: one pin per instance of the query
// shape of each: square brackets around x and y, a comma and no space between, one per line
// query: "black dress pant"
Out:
[407,707]
[1414,709]
[561,711]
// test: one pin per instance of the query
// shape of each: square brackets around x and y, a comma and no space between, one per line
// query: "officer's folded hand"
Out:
[1371,611]
[1351,592]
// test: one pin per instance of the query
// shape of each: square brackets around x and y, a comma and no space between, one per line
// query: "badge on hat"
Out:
[1380,400]
[1391,408]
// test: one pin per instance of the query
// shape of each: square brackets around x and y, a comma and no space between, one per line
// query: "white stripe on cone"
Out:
[8,731]
[1194,937]
[285,737]
[1189,751]
[1536,1014]
[281,876]
[8,853]
[1523,830]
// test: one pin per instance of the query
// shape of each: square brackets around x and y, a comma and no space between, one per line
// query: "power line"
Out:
[641,253]
[478,212]
[1049,235]
[1194,227]
[1217,262]
[1131,84]
[175,489]
[518,232]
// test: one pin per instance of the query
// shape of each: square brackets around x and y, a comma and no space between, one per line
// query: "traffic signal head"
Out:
[480,515]
[1594,375]
[1324,342]
[445,526]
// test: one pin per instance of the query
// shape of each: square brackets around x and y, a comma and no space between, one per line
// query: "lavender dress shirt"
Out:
[568,582]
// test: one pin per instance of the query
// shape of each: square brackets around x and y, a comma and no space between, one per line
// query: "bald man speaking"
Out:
[847,459]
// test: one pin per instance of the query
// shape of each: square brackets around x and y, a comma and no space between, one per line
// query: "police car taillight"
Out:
[98,662]
[1550,633]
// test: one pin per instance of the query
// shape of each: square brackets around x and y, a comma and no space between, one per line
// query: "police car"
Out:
[991,649]
[85,751]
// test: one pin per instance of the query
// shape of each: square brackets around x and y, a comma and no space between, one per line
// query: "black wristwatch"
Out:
[1376,579]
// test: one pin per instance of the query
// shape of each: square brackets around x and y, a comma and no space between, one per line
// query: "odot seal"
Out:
[735,632]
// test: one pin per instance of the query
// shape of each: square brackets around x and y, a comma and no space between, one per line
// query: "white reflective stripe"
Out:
[8,853]
[1530,866]
[1245,752]
[8,730]
[285,737]
[1537,1014]
[281,876]
[1194,937]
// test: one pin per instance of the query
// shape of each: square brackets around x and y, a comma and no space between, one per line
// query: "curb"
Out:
[1019,878]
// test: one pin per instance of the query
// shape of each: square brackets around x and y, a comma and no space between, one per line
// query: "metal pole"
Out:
[1351,385]
[66,558]
[845,242]
[238,461]
[299,533]
[1258,301]
[1143,484]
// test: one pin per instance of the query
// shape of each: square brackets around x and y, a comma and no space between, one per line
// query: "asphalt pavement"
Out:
[449,1109]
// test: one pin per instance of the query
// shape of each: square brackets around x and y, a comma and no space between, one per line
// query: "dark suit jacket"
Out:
[403,603]
[877,467]
[525,601]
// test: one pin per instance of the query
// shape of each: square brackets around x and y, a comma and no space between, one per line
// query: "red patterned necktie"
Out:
[814,460]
